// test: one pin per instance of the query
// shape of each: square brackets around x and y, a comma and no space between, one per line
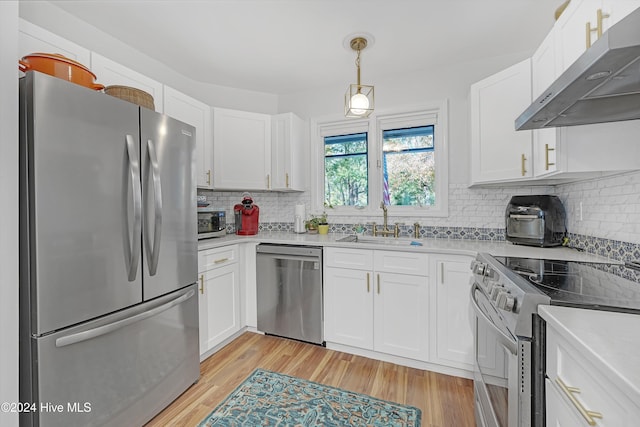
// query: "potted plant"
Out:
[317,224]
[323,225]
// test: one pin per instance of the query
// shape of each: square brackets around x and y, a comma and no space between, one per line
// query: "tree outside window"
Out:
[408,167]
[346,171]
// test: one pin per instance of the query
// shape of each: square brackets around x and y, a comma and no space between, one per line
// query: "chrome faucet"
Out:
[385,228]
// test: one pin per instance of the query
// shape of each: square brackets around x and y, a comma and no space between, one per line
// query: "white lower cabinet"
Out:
[578,393]
[219,295]
[377,300]
[451,318]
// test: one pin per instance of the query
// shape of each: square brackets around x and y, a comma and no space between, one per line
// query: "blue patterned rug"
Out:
[270,399]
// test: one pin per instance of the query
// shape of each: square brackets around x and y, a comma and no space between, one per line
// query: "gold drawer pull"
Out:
[221,260]
[523,168]
[586,414]
[378,284]
[368,284]
[202,284]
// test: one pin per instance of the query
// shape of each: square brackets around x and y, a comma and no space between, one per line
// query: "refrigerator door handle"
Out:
[154,253]
[134,171]
[110,327]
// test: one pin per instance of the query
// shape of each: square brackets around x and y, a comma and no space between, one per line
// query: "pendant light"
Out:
[359,99]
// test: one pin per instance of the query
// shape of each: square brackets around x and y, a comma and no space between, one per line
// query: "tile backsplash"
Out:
[603,215]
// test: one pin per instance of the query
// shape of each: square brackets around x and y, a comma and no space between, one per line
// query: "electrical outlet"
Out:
[580,211]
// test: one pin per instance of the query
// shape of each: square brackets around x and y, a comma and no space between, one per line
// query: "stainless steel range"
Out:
[510,336]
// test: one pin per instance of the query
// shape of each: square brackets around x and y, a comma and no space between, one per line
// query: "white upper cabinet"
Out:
[498,151]
[32,39]
[545,68]
[582,22]
[111,73]
[289,148]
[556,154]
[241,150]
[198,115]
[577,151]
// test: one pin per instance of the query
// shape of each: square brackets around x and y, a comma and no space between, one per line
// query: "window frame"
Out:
[433,114]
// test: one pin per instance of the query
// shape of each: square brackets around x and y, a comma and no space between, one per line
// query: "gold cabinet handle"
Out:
[523,161]
[546,156]
[442,273]
[221,260]
[286,179]
[586,414]
[600,16]
[378,284]
[202,284]
[368,284]
[209,177]
[268,182]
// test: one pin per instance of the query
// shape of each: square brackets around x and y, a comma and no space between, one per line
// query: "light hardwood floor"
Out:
[445,401]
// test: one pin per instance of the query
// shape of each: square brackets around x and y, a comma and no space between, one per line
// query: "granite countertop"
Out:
[442,246]
[608,339]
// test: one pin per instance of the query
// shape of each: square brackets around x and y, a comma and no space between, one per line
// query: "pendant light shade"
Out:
[359,99]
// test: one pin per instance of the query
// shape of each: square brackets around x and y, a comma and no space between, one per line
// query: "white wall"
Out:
[60,22]
[9,209]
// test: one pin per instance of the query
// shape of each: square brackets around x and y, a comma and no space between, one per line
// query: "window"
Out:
[399,159]
[345,167]
[408,167]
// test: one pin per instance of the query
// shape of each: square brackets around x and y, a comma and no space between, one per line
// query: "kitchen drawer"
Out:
[401,262]
[217,257]
[357,259]
[594,391]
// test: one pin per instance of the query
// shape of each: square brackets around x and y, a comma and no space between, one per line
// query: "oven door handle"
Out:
[507,341]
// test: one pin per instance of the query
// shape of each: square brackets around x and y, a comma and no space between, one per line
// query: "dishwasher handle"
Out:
[289,250]
[290,257]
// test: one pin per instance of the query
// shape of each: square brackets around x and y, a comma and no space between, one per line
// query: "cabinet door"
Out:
[203,314]
[499,152]
[572,36]
[198,115]
[544,70]
[222,291]
[453,321]
[241,150]
[348,307]
[401,315]
[289,162]
[112,73]
[32,38]
[614,10]
[558,411]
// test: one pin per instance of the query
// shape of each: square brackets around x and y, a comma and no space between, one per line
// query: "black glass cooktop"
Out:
[578,284]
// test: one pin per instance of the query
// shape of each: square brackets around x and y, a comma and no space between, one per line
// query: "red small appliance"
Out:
[246,215]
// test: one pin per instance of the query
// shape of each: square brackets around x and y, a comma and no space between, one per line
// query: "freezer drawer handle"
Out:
[111,327]
[157,196]
[133,247]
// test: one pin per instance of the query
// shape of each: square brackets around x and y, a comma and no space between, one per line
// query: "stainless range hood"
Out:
[603,85]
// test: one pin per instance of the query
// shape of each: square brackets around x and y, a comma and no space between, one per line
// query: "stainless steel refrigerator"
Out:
[108,257]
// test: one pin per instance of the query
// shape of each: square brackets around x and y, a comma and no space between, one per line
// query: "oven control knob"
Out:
[495,291]
[478,268]
[505,301]
[488,286]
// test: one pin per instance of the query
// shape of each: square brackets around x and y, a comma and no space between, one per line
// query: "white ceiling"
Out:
[286,46]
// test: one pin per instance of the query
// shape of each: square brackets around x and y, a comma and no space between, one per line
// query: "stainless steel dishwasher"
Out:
[289,282]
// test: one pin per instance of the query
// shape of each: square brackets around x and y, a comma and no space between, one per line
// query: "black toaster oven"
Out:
[536,221]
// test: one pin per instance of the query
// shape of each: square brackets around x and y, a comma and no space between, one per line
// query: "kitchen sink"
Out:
[378,240]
